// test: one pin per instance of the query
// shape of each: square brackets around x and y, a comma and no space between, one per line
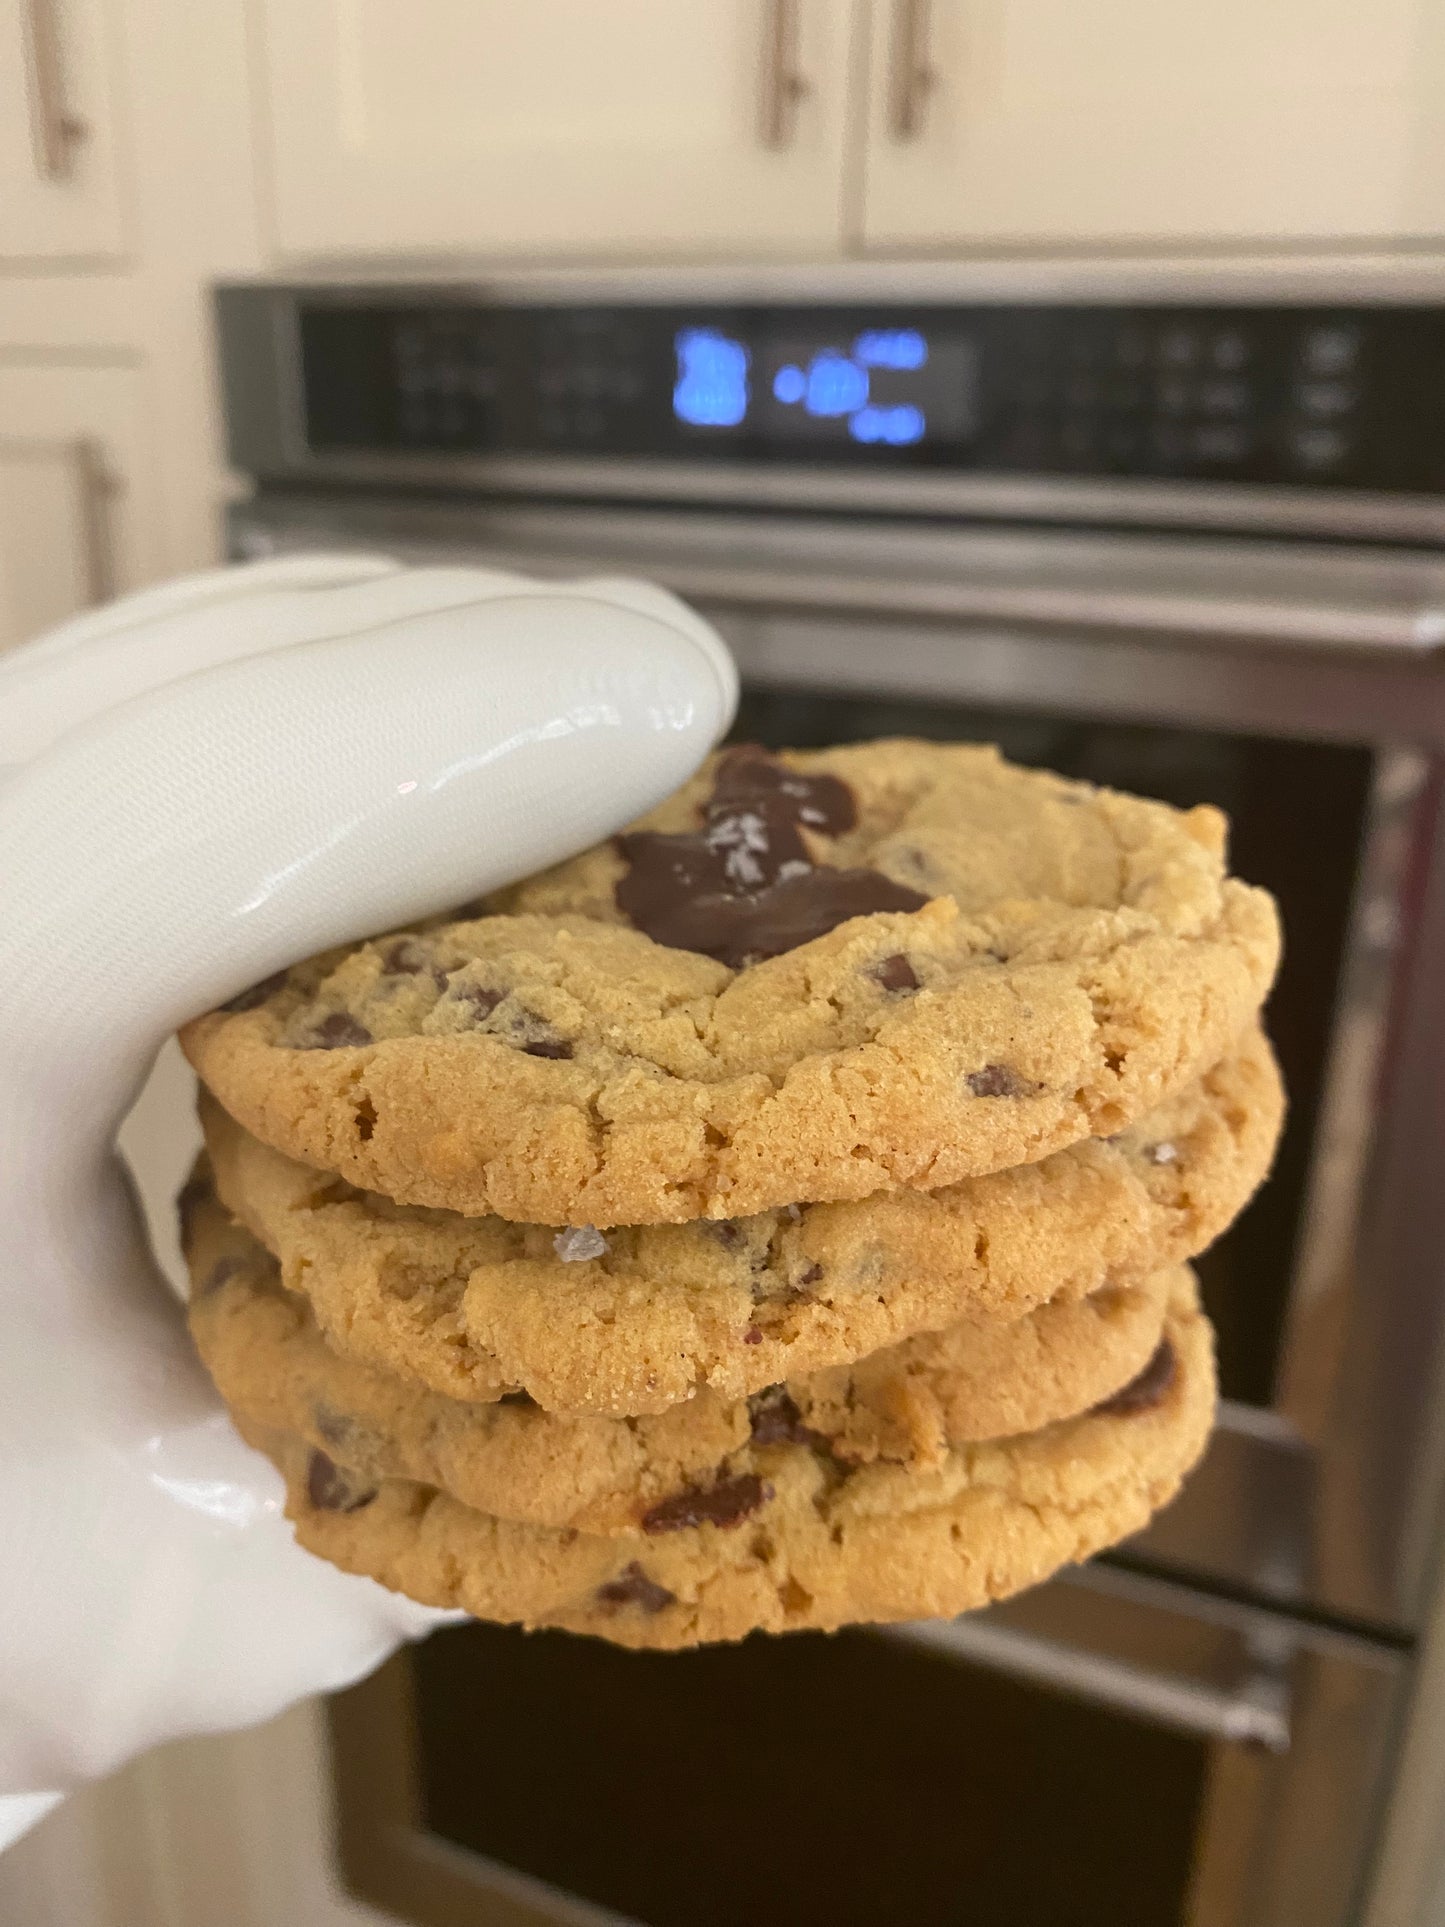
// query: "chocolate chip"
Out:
[727,1503]
[193,1196]
[220,1272]
[895,973]
[632,1587]
[335,1427]
[745,887]
[727,1232]
[405,957]
[556,1047]
[1150,1388]
[997,1080]
[257,993]
[753,1335]
[365,1117]
[338,1031]
[807,1277]
[482,998]
[330,1489]
[774,1419]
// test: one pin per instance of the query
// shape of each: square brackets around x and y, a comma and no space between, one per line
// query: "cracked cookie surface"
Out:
[1022,962]
[904,1406]
[801,1546]
[633,1321]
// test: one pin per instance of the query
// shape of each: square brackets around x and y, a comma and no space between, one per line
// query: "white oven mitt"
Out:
[198,786]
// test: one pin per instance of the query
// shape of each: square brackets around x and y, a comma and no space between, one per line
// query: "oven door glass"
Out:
[1129,1751]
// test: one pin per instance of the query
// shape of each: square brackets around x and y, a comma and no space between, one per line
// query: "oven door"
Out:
[1104,1749]
[1299,688]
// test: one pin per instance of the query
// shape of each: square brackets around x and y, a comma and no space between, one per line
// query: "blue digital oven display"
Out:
[887,387]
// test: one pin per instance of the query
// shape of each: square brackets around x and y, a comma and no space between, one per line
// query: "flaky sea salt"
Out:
[578,1243]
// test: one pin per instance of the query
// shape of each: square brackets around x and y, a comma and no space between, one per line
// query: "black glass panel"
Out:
[849,1781]
[1312,397]
[1297,811]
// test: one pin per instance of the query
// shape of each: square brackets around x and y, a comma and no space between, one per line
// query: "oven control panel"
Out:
[1313,397]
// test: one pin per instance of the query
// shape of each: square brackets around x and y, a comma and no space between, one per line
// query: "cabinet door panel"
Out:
[77,468]
[559,128]
[48,557]
[1150,121]
[59,192]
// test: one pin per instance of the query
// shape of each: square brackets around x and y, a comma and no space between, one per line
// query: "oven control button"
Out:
[1229,350]
[1325,400]
[1179,348]
[1332,350]
[1318,449]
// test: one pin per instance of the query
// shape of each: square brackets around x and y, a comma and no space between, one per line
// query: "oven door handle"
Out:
[1253,1711]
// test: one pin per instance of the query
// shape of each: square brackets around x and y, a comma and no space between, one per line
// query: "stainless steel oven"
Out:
[1185,539]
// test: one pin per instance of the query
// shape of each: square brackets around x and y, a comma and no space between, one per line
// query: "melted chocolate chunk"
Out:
[727,1503]
[337,1032]
[256,994]
[744,886]
[1152,1386]
[557,1047]
[739,930]
[775,1419]
[997,1080]
[895,973]
[330,1489]
[632,1587]
[405,957]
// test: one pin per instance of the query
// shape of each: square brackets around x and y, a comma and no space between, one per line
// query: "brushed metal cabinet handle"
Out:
[784,82]
[912,76]
[55,130]
[97,486]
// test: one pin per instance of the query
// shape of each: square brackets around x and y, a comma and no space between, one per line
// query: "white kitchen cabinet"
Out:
[559,128]
[79,515]
[1153,122]
[50,507]
[59,174]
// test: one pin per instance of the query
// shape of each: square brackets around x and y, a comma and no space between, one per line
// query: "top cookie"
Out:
[803,978]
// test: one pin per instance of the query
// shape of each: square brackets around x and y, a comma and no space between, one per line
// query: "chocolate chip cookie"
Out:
[632,1321]
[905,1406]
[801,1541]
[807,977]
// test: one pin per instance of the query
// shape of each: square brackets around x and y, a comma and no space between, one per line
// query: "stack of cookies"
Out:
[775,1217]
